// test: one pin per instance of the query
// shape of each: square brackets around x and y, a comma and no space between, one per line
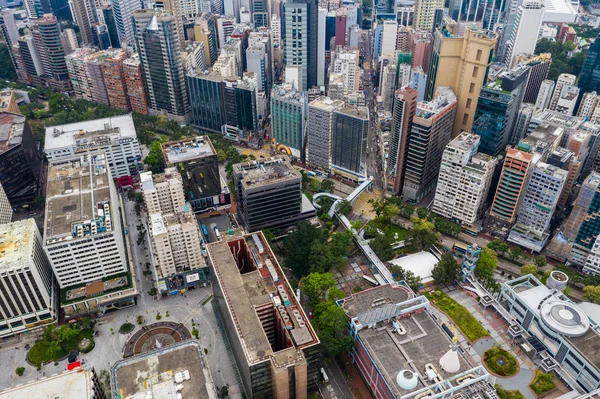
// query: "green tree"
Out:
[529,269]
[344,207]
[331,324]
[407,210]
[221,156]
[296,247]
[422,213]
[341,243]
[377,205]
[269,235]
[422,237]
[155,158]
[382,246]
[515,252]
[445,270]
[540,261]
[487,263]
[499,246]
[592,294]
[445,226]
[327,185]
[322,258]
[7,71]
[20,371]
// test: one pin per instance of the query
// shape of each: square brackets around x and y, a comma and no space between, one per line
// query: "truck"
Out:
[311,173]
[324,375]
[217,233]
[205,231]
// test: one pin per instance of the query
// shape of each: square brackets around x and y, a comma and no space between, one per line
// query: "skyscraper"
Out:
[523,37]
[539,66]
[497,110]
[431,131]
[320,120]
[159,50]
[122,10]
[563,79]
[589,77]
[84,15]
[134,83]
[588,104]
[425,12]
[349,130]
[300,31]
[461,63]
[544,95]
[50,50]
[464,180]
[288,115]
[405,106]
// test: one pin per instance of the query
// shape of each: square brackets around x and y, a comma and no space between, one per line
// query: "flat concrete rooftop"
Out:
[265,171]
[16,244]
[188,149]
[362,302]
[74,195]
[75,133]
[74,384]
[154,372]
[11,130]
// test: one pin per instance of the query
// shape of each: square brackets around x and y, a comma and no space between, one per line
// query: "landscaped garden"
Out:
[391,230]
[58,342]
[542,383]
[505,394]
[465,321]
[500,362]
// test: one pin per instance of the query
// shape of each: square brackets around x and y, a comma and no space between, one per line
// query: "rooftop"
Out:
[255,281]
[326,103]
[90,133]
[421,264]
[77,199]
[148,180]
[16,244]
[364,301]
[187,149]
[265,171]
[444,99]
[155,372]
[11,130]
[73,384]
[558,119]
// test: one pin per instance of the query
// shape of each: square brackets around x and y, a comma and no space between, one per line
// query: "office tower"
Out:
[205,31]
[239,98]
[345,61]
[350,128]
[421,47]
[10,35]
[301,48]
[163,192]
[388,37]
[461,70]
[567,99]
[521,126]
[524,34]
[107,15]
[20,163]
[61,9]
[588,104]
[206,99]
[260,13]
[563,79]
[388,85]
[6,210]
[47,41]
[177,254]
[320,126]
[542,101]
[29,298]
[225,26]
[69,40]
[86,75]
[122,10]
[196,159]
[134,84]
[513,179]
[26,62]
[405,106]
[589,77]
[425,12]
[539,66]
[274,345]
[288,115]
[84,15]
[321,28]
[101,36]
[431,131]
[175,9]
[81,383]
[464,180]
[418,81]
[537,207]
[340,27]
[115,137]
[164,78]
[497,110]
[258,58]
[83,236]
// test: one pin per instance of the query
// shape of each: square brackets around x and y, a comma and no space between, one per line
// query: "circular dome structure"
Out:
[564,318]
[407,379]
[557,280]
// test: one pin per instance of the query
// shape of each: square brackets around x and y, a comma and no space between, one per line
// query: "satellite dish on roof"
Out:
[407,379]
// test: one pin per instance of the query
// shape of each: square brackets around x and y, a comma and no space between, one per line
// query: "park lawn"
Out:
[510,366]
[389,230]
[465,321]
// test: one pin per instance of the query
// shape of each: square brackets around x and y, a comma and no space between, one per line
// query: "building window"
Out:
[465,119]
[469,103]
[472,88]
[475,71]
[478,56]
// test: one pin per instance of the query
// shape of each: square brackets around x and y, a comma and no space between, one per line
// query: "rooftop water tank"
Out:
[557,280]
[407,380]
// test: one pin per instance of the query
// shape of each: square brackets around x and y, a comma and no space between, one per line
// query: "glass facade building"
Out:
[349,140]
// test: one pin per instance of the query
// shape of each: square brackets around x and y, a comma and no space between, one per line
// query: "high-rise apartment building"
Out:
[544,96]
[589,77]
[86,75]
[425,12]
[563,79]
[461,63]
[205,31]
[163,192]
[177,253]
[431,131]
[6,210]
[320,126]
[134,84]
[29,298]
[175,9]
[114,78]
[345,61]
[272,340]
[567,99]
[524,34]
[421,44]
[388,85]
[350,128]
[405,106]
[84,15]
[9,33]
[537,207]
[269,194]
[513,180]
[20,162]
[122,10]
[539,66]
[48,45]
[258,59]
[464,180]
[288,118]
[115,137]
[588,104]
[521,126]
[164,78]
[497,110]
[83,236]
[299,33]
